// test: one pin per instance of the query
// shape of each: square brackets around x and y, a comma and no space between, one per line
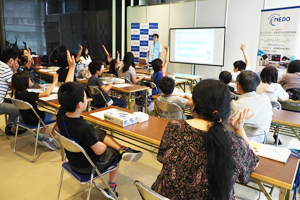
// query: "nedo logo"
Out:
[276,18]
[135,43]
[144,49]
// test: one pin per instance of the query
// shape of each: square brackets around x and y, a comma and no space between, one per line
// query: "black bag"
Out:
[8,132]
[294,93]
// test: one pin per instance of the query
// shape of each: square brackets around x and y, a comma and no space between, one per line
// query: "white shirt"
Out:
[5,77]
[86,61]
[259,105]
[274,91]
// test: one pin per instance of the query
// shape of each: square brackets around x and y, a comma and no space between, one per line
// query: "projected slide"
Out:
[197,46]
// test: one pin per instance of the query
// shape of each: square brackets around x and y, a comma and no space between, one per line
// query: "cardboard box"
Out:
[120,118]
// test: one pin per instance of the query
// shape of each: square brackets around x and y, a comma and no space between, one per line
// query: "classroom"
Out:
[107,76]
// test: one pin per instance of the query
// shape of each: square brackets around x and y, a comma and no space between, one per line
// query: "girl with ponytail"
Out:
[201,159]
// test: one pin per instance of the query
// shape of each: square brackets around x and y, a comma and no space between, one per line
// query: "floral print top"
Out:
[183,154]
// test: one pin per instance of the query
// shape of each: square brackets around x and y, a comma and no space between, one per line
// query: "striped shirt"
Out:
[5,77]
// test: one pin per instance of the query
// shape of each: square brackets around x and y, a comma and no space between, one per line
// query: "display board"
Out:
[203,46]
[279,41]
[141,38]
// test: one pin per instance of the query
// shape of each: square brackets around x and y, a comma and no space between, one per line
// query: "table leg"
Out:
[295,133]
[260,185]
[146,101]
[184,87]
[191,85]
[282,193]
[129,101]
[88,106]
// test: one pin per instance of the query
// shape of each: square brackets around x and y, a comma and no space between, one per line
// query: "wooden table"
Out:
[191,79]
[268,171]
[287,118]
[142,131]
[276,174]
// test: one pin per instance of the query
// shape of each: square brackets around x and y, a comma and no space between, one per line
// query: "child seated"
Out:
[103,152]
[114,65]
[94,80]
[167,86]
[226,77]
[240,65]
[21,83]
[159,70]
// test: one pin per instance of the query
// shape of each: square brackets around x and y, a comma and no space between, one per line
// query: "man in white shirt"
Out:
[155,49]
[240,65]
[8,66]
[259,104]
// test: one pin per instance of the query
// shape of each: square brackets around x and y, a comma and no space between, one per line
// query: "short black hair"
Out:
[248,80]
[155,34]
[94,67]
[156,64]
[269,75]
[23,60]
[20,81]
[62,60]
[294,66]
[241,65]
[166,85]
[70,94]
[225,77]
[8,54]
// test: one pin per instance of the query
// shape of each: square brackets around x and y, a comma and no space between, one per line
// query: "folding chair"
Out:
[73,147]
[94,90]
[22,105]
[153,86]
[234,96]
[167,107]
[146,193]
[253,130]
[3,132]
[276,104]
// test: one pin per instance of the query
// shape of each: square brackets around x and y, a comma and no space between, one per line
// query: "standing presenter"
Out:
[155,49]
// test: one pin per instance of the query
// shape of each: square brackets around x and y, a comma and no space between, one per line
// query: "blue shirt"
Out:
[156,77]
[154,48]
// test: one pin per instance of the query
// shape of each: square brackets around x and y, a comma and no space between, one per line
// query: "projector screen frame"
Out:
[223,27]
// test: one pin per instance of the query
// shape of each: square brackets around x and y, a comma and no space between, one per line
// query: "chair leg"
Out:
[4,133]
[90,186]
[60,183]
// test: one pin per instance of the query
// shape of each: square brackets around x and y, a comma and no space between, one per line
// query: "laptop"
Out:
[142,61]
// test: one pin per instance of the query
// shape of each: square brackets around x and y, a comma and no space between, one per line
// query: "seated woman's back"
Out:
[292,78]
[200,158]
[269,85]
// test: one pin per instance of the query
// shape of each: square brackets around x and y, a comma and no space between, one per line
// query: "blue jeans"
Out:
[119,102]
[11,111]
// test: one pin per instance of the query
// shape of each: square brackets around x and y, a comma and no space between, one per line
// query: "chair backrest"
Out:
[234,96]
[153,86]
[96,91]
[127,80]
[146,193]
[168,107]
[253,130]
[23,105]
[276,104]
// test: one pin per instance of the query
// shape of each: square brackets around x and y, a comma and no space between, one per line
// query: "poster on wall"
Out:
[279,41]
[141,38]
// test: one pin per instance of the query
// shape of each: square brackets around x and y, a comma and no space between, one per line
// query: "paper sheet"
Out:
[45,70]
[81,79]
[122,85]
[52,72]
[35,90]
[100,114]
[51,97]
[275,153]
[55,89]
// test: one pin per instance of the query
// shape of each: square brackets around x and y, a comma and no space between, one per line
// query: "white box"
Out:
[120,118]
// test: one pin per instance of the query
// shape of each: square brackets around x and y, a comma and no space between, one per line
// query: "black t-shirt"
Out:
[29,116]
[63,72]
[231,89]
[98,100]
[84,135]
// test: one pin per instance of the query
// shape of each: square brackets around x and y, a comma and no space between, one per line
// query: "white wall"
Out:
[243,25]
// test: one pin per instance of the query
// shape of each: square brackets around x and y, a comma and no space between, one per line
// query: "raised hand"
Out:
[55,78]
[71,60]
[239,122]
[243,46]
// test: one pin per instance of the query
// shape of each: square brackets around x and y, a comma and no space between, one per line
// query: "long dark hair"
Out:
[269,75]
[128,61]
[83,52]
[212,103]
[112,67]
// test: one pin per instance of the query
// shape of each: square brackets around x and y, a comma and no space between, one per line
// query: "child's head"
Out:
[10,57]
[225,77]
[247,81]
[294,66]
[166,85]
[94,67]
[23,60]
[62,60]
[84,52]
[112,67]
[71,96]
[23,52]
[156,65]
[21,81]
[128,61]
[269,75]
[239,65]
